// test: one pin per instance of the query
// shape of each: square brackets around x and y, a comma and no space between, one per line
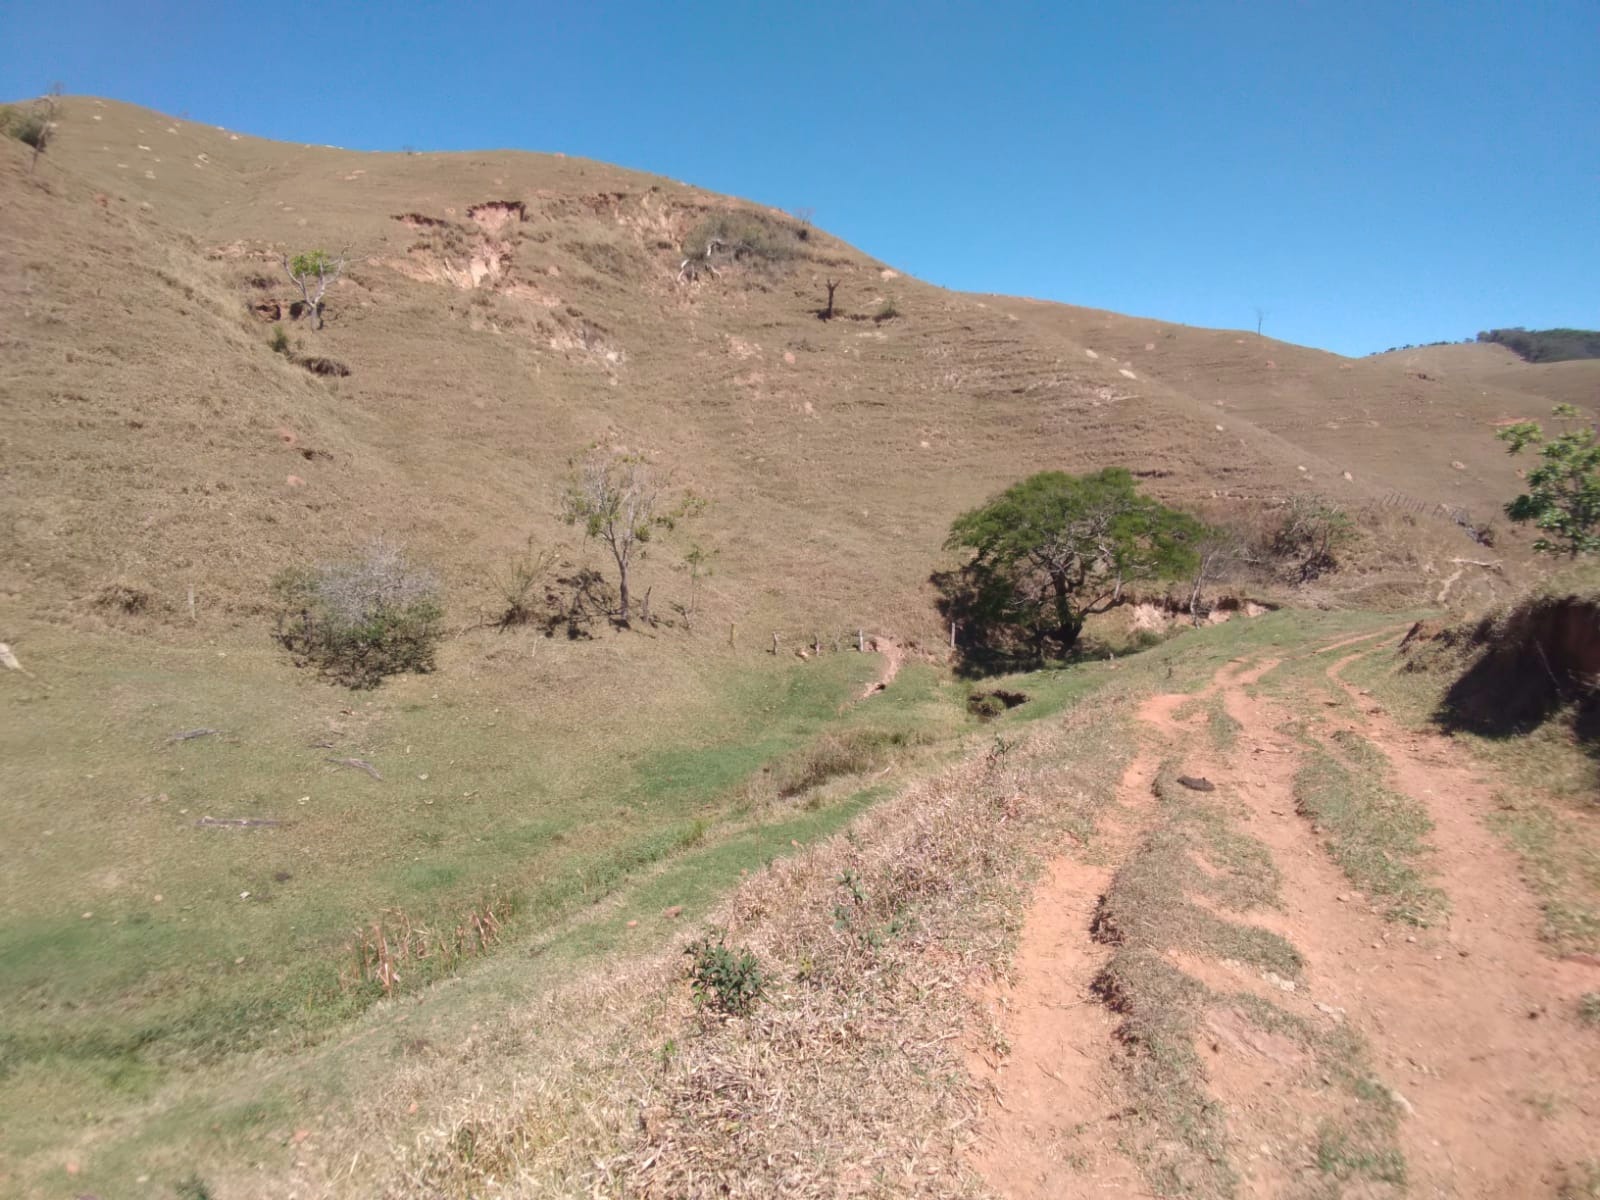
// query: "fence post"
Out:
[774,643]
[732,625]
[861,641]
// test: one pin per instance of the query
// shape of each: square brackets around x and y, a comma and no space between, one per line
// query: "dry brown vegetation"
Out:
[502,311]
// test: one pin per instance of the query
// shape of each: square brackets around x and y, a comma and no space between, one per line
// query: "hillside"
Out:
[504,310]
[429,939]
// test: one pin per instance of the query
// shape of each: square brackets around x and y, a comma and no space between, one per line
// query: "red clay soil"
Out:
[1471,1024]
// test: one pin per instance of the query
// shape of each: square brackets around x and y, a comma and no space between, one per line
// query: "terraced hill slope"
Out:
[503,310]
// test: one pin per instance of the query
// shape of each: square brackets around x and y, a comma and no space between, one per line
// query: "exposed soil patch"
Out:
[1466,1032]
[1055,1126]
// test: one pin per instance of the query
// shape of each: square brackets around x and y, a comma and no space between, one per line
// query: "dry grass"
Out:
[849,1079]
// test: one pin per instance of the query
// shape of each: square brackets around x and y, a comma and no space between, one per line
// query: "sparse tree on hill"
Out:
[36,126]
[1563,496]
[619,499]
[313,273]
[1056,548]
[1305,537]
[827,313]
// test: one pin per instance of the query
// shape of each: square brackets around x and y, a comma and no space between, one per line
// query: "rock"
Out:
[1460,466]
[1197,783]
[675,911]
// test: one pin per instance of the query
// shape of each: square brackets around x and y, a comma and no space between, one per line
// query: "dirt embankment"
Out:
[1517,668]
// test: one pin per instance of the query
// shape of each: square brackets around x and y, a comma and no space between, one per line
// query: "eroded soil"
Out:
[1461,1034]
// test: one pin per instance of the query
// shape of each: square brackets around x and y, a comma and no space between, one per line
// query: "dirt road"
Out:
[1457,1042]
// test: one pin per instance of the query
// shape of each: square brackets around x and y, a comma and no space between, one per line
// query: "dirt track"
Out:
[1469,1024]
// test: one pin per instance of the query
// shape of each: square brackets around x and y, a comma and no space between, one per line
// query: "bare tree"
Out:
[313,273]
[827,313]
[1215,551]
[619,499]
[1261,315]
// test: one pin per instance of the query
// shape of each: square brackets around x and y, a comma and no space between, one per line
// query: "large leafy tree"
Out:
[1055,548]
[1563,496]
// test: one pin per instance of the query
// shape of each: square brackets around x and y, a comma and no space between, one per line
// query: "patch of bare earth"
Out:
[1465,1032]
[1057,1107]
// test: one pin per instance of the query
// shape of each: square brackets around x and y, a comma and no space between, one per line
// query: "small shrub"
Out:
[361,620]
[278,343]
[319,365]
[29,128]
[1589,1009]
[193,1188]
[723,979]
[888,312]
[985,708]
[124,596]
[520,588]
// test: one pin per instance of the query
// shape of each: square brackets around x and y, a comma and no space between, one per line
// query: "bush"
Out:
[361,620]
[1303,538]
[833,755]
[521,586]
[722,979]
[741,236]
[985,708]
[888,312]
[29,128]
[278,343]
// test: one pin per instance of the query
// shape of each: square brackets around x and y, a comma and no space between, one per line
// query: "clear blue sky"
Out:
[1368,173]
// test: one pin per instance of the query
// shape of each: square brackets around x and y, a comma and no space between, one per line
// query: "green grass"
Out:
[637,796]
[1375,835]
[134,943]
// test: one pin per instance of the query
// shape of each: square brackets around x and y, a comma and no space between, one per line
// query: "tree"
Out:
[618,498]
[313,273]
[35,127]
[1056,548]
[1563,496]
[1303,537]
[697,561]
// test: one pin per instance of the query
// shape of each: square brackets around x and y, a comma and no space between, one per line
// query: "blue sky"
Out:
[1369,174]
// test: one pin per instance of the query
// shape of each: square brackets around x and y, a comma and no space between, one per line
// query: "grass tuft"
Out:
[1374,835]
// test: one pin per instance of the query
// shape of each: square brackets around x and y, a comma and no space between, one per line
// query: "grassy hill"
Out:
[500,313]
